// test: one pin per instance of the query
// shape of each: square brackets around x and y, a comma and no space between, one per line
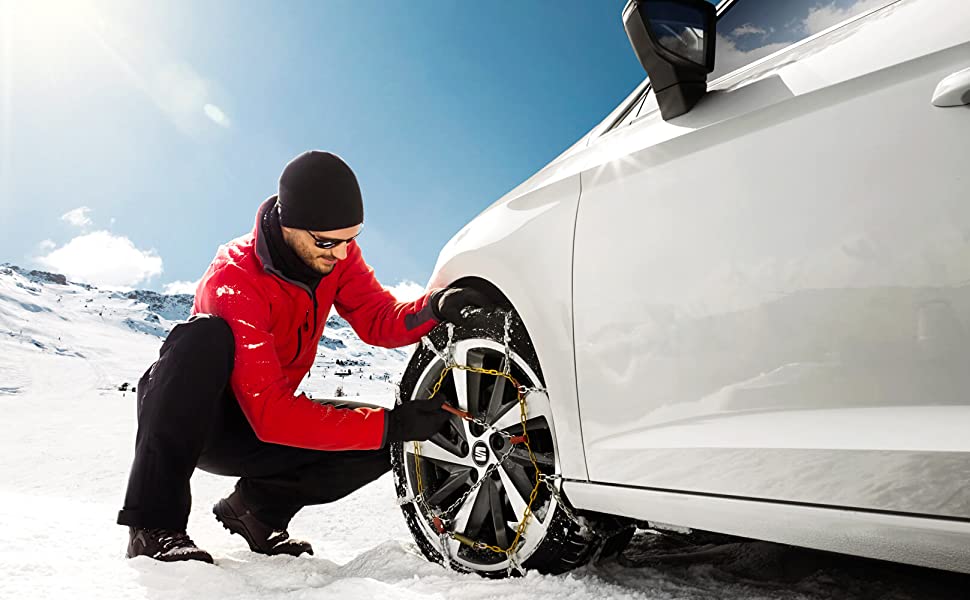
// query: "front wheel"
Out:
[473,480]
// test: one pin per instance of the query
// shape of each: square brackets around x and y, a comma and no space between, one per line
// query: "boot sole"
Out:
[204,558]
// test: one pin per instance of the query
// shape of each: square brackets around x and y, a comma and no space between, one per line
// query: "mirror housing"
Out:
[674,41]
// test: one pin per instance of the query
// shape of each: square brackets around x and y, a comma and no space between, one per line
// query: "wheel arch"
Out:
[494,293]
[519,252]
[557,363]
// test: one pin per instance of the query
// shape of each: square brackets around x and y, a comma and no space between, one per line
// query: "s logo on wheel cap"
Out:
[480,453]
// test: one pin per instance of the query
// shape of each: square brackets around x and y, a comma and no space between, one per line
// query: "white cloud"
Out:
[181,287]
[46,245]
[821,17]
[216,115]
[406,291]
[102,258]
[78,217]
[729,57]
[747,29]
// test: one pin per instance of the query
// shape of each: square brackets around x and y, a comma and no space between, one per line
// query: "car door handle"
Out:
[954,90]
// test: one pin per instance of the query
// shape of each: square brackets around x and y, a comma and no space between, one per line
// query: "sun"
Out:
[49,19]
[49,34]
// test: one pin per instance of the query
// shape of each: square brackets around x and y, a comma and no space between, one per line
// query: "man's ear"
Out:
[289,236]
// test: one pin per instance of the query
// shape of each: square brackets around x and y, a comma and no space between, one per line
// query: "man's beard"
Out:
[322,269]
[313,261]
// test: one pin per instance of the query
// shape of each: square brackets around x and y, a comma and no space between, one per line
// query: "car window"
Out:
[748,30]
[752,29]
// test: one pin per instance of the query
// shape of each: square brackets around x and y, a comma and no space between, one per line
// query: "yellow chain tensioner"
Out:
[523,439]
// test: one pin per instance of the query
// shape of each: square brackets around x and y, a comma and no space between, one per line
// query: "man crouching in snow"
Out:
[222,394]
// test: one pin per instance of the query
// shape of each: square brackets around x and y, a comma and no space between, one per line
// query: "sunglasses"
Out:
[328,244]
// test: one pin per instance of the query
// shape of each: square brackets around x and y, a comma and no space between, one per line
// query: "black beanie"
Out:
[319,192]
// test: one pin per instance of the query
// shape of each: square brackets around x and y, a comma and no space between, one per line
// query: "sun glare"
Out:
[49,19]
[47,33]
[54,41]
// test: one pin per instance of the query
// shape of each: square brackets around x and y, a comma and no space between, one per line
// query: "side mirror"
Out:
[674,41]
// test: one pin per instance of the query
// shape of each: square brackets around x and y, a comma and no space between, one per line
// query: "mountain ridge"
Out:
[45,312]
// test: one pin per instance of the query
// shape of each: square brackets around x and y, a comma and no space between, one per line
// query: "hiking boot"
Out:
[238,518]
[164,544]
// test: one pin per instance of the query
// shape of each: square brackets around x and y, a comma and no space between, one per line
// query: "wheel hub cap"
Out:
[480,453]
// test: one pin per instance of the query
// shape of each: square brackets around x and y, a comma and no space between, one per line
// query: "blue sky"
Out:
[170,122]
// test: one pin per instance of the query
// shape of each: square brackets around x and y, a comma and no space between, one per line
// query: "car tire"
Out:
[552,541]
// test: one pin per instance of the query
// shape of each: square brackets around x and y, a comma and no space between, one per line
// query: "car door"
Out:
[772,292]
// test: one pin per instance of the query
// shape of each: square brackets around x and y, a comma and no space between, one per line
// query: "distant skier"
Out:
[222,394]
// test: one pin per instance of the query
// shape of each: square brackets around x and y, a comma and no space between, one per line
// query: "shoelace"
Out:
[171,539]
[277,537]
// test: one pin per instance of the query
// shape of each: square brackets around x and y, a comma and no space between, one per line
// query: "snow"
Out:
[66,442]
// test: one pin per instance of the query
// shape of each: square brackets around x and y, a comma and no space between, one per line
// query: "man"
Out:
[222,394]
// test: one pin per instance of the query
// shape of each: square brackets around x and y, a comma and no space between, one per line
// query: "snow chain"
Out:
[440,518]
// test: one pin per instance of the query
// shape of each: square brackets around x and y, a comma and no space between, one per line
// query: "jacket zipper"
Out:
[314,313]
[268,267]
[304,327]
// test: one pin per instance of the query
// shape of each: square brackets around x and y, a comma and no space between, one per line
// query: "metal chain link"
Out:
[427,343]
[448,358]
[514,564]
[523,438]
[440,517]
[488,473]
[507,340]
[445,552]
[584,525]
[547,480]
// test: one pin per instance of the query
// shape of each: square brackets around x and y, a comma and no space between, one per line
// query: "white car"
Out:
[740,304]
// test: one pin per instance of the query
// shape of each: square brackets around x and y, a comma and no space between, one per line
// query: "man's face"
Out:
[322,261]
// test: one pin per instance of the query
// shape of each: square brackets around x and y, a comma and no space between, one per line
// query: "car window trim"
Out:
[831,29]
[755,63]
[620,112]
[616,123]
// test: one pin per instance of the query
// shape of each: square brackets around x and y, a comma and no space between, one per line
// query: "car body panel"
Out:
[786,363]
[937,543]
[523,245]
[771,292]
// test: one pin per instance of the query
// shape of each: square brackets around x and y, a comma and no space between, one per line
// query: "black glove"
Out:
[447,304]
[416,421]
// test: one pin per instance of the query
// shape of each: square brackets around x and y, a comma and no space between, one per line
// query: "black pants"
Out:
[188,418]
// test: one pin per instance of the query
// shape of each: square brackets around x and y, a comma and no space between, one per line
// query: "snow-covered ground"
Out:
[66,442]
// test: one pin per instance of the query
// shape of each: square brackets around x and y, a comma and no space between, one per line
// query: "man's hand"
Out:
[448,303]
[416,421]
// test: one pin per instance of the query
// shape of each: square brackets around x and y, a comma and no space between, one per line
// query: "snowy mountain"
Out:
[51,314]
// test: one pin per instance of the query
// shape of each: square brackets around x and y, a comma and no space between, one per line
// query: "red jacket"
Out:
[277,325]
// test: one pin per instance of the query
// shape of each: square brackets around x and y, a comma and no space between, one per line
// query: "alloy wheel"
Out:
[453,461]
